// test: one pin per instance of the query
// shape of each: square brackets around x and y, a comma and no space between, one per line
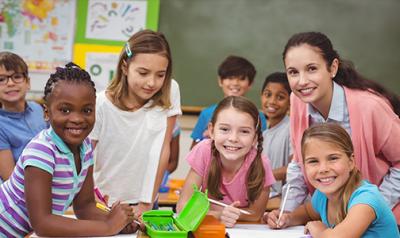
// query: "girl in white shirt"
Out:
[135,116]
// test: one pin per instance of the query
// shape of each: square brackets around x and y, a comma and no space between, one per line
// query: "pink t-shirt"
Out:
[235,190]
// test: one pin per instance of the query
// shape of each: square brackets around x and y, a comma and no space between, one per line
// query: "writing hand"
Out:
[271,218]
[119,217]
[230,214]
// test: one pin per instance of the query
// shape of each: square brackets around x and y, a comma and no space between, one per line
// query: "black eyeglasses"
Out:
[15,77]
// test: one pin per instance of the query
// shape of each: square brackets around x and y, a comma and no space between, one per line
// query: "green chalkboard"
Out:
[203,32]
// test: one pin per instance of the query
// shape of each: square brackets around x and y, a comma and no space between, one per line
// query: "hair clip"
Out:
[128,50]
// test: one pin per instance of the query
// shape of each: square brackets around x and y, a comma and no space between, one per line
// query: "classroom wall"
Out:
[184,143]
[203,32]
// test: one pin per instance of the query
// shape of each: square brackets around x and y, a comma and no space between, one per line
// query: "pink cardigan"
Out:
[375,132]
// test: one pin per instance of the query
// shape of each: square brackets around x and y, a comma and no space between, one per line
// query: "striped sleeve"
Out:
[40,155]
[87,143]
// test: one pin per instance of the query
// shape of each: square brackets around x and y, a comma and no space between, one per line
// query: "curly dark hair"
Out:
[71,72]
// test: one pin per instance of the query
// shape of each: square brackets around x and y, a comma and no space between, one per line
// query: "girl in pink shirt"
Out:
[230,164]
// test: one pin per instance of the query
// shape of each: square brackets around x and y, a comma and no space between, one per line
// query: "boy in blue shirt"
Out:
[235,77]
[20,120]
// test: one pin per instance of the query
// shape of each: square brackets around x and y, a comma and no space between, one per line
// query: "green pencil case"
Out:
[163,224]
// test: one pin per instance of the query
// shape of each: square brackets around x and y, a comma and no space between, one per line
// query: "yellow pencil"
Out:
[102,207]
[107,209]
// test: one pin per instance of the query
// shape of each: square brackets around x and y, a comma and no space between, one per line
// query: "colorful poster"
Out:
[101,66]
[41,32]
[112,22]
[115,20]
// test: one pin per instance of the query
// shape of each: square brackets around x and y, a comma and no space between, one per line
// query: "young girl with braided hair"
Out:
[230,164]
[55,169]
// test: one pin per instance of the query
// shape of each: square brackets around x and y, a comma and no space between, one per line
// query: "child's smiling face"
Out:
[327,166]
[234,86]
[234,134]
[11,92]
[275,102]
[71,111]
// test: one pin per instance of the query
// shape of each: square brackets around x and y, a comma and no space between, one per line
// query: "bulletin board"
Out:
[103,27]
[41,32]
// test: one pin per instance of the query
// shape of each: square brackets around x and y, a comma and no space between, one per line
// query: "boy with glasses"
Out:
[20,120]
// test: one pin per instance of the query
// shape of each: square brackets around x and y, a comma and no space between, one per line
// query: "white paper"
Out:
[73,216]
[262,231]
[101,67]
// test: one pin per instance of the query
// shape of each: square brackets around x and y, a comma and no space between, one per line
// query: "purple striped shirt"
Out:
[47,152]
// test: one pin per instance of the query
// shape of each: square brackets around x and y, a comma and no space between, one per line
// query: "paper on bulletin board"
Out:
[99,60]
[115,20]
[41,32]
[101,66]
[112,22]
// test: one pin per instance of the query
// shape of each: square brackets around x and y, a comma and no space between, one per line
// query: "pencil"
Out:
[99,195]
[107,209]
[224,205]
[102,207]
[283,204]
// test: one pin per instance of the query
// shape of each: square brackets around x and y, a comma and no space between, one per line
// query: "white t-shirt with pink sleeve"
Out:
[199,160]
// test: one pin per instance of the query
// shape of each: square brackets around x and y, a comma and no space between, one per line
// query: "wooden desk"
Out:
[273,203]
[141,235]
[168,199]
